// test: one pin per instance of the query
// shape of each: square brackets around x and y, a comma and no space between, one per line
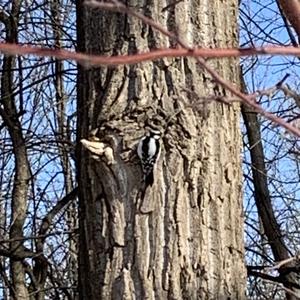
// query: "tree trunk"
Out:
[184,239]
[10,116]
[263,201]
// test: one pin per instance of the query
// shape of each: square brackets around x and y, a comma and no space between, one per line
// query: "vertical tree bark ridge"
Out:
[187,242]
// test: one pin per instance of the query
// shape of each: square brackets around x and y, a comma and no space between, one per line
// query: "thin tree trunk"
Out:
[62,139]
[263,200]
[184,240]
[10,116]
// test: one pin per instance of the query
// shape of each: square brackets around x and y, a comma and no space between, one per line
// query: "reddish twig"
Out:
[102,60]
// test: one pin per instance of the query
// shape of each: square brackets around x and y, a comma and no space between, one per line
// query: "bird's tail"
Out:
[149,179]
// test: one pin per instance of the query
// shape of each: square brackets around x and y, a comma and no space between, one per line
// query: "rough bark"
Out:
[185,239]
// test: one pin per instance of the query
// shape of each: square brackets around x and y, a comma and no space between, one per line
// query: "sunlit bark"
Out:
[184,240]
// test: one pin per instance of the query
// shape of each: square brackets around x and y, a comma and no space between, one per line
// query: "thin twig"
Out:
[291,292]
[103,60]
[36,237]
[283,262]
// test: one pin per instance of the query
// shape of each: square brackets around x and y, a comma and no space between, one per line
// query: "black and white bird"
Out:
[148,151]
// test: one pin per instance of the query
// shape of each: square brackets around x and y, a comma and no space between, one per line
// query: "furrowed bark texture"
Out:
[184,240]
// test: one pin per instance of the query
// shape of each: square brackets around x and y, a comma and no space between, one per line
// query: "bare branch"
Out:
[53,212]
[102,60]
[284,262]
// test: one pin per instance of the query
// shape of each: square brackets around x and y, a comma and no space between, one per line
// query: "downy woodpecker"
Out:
[148,151]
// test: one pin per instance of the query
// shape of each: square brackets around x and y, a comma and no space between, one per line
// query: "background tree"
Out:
[37,234]
[273,181]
